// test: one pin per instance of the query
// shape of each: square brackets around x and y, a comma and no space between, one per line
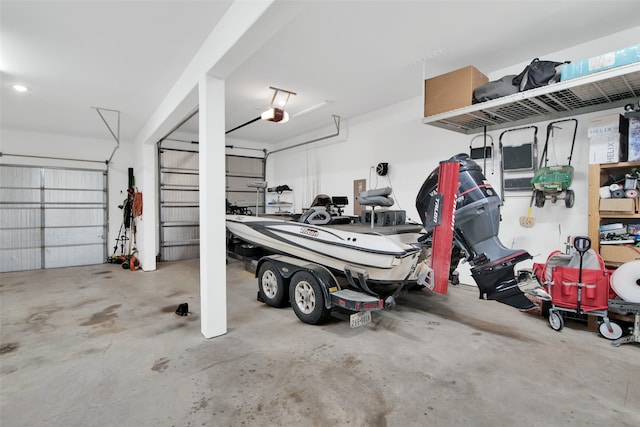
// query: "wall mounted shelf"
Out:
[606,89]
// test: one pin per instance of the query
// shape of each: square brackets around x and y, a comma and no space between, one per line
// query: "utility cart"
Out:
[578,292]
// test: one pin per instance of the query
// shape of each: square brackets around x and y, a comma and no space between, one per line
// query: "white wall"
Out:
[66,146]
[396,135]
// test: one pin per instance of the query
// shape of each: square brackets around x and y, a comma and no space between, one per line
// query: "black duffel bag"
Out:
[538,73]
[495,89]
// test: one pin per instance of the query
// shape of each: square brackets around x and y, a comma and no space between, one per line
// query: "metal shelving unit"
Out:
[606,89]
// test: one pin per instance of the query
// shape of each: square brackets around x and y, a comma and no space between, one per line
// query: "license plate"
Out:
[359,319]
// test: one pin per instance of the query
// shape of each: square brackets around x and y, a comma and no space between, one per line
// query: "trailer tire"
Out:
[271,285]
[540,198]
[307,298]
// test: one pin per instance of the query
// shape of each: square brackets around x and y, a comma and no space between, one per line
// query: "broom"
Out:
[528,221]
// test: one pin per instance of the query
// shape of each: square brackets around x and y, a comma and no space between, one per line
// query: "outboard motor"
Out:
[477,220]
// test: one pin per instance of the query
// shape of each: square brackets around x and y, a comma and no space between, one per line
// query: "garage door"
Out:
[179,204]
[52,217]
[179,197]
[242,170]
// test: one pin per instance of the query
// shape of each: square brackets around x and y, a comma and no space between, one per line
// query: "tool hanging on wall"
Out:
[123,239]
[484,152]
[382,169]
[131,211]
[528,221]
[553,181]
[518,163]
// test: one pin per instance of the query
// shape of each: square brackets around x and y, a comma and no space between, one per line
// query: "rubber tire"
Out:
[307,298]
[246,249]
[271,285]
[555,320]
[569,198]
[614,334]
[540,199]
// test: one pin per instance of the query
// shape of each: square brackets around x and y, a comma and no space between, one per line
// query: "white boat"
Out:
[466,207]
[384,254]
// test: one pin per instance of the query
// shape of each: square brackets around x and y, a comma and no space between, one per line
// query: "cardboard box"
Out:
[608,139]
[619,253]
[604,149]
[608,125]
[452,90]
[627,206]
[598,63]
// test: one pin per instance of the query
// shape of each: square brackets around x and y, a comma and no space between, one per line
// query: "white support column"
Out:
[213,271]
[145,169]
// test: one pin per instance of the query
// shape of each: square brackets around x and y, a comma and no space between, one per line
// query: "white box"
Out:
[607,125]
[604,149]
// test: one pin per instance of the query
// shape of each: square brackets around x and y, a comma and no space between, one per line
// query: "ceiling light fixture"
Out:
[20,88]
[276,112]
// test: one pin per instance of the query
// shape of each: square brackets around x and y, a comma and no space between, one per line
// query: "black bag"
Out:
[538,73]
[495,89]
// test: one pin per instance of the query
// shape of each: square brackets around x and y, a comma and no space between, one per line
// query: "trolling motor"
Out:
[477,221]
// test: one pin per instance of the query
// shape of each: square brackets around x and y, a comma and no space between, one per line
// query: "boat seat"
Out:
[378,197]
[316,215]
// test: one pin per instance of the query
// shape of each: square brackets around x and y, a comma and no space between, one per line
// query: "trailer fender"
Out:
[287,266]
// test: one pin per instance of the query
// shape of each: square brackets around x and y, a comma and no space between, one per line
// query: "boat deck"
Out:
[363,228]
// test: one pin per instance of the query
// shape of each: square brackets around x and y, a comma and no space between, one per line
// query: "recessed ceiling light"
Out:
[20,88]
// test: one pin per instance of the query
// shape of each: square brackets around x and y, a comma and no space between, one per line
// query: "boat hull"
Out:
[386,254]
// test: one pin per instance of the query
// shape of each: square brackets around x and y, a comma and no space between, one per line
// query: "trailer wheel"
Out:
[555,320]
[271,285]
[613,334]
[540,198]
[307,298]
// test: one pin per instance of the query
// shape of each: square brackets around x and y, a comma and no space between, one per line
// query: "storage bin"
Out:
[452,90]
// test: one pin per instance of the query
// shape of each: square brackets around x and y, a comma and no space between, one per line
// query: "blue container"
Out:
[603,62]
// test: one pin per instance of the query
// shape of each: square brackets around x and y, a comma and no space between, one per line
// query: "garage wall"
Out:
[396,135]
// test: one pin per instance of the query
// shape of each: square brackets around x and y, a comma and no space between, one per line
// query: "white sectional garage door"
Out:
[179,197]
[179,204]
[52,217]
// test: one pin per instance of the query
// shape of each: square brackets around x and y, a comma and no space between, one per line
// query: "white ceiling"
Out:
[359,55]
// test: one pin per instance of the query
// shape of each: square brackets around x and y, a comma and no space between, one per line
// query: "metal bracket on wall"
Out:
[116,134]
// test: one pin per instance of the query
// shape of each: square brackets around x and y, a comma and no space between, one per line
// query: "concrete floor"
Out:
[99,345]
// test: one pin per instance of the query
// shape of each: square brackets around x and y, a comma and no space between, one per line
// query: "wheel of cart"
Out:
[556,321]
[628,307]
[609,330]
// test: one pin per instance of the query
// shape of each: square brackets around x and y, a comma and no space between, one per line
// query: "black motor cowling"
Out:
[477,221]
